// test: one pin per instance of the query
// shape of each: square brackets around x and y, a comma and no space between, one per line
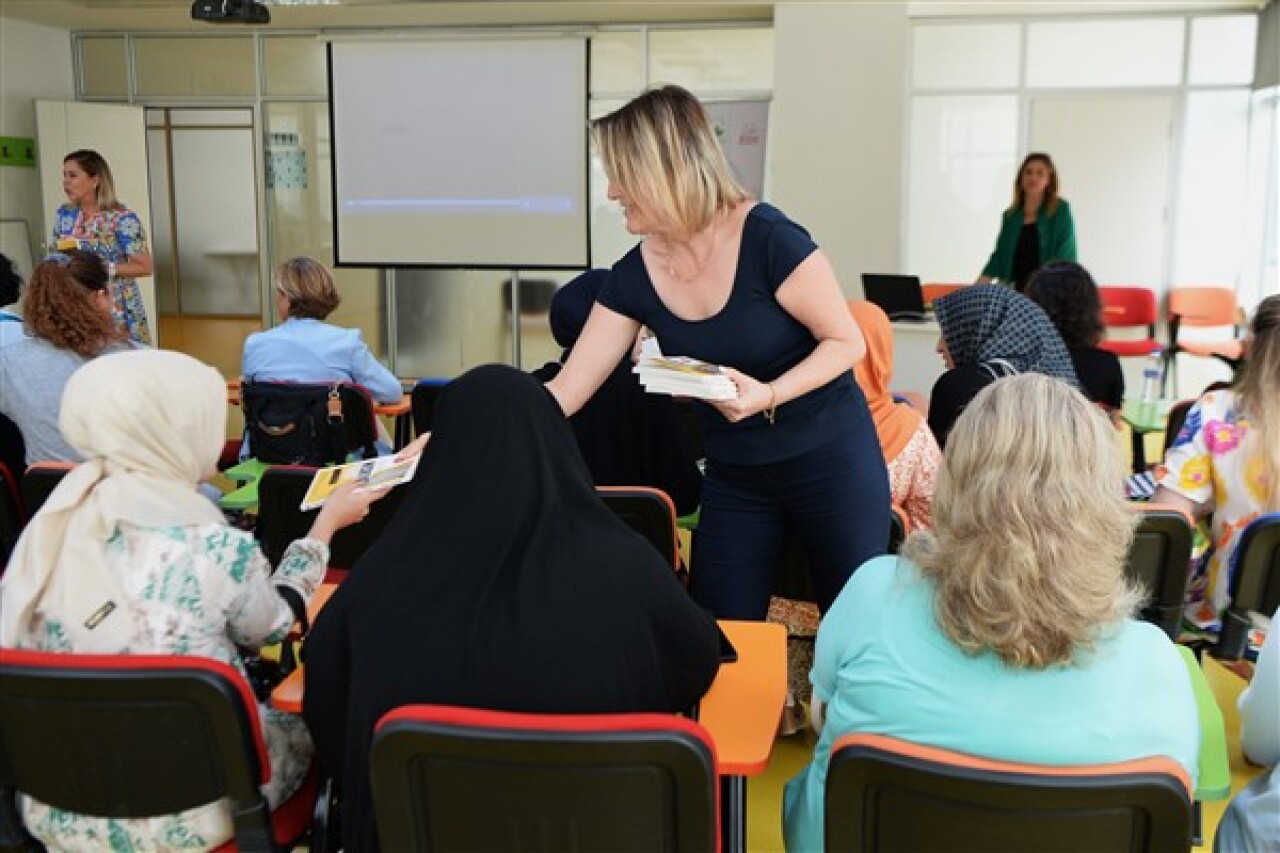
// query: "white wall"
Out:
[35,62]
[837,123]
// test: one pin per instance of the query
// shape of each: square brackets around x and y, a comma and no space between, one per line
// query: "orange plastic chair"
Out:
[1129,307]
[1203,307]
[934,292]
[878,789]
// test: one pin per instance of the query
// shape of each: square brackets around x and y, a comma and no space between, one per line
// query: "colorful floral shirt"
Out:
[113,235]
[198,590]
[1208,464]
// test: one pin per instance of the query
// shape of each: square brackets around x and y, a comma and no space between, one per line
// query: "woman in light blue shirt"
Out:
[1006,632]
[304,348]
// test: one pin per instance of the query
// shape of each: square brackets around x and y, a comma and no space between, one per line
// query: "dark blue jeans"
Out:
[834,498]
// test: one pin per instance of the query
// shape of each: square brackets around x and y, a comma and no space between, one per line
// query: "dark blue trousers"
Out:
[834,498]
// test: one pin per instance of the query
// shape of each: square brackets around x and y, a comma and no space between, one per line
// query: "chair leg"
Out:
[326,829]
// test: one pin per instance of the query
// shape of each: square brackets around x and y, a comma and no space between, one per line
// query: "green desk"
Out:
[1215,767]
[1143,419]
[245,498]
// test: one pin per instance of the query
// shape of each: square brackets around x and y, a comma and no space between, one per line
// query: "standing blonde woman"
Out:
[1226,459]
[94,220]
[728,280]
[1005,633]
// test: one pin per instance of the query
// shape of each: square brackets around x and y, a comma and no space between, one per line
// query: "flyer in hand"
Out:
[685,377]
[379,472]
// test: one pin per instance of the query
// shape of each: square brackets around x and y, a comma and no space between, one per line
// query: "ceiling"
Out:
[174,15]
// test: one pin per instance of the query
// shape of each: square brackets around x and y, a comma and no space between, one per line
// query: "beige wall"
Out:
[35,62]
[836,146]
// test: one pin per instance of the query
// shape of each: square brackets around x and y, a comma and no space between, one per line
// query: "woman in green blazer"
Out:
[1037,227]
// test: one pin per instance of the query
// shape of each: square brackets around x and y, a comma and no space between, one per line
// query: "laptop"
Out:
[899,296]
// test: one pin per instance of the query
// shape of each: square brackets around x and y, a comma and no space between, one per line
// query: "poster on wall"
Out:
[742,127]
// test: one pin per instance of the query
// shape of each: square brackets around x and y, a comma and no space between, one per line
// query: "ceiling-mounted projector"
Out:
[230,12]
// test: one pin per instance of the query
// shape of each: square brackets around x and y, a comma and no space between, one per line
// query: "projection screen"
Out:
[460,153]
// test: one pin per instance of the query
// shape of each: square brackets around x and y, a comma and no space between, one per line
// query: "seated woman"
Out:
[128,526]
[627,437]
[1067,293]
[989,331]
[1252,820]
[1225,461]
[503,583]
[68,318]
[910,450]
[304,348]
[1006,632]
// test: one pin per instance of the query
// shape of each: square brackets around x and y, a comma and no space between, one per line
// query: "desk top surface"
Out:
[741,710]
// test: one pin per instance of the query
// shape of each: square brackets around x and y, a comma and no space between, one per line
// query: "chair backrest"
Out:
[12,515]
[884,794]
[649,512]
[1129,306]
[280,521]
[13,448]
[422,401]
[308,423]
[1158,559]
[131,736]
[793,579]
[1203,306]
[462,779]
[934,292]
[1255,583]
[39,481]
[1177,417]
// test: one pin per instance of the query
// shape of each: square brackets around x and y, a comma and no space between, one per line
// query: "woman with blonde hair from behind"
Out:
[1006,632]
[1226,460]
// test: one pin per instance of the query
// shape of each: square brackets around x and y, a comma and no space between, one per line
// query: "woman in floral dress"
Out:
[127,526]
[95,220]
[1226,461]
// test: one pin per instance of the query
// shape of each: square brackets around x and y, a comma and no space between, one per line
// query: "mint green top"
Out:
[883,666]
[1057,239]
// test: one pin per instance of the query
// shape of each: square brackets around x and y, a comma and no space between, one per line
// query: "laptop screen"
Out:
[899,296]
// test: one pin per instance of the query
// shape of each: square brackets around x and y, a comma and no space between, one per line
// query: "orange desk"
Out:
[741,711]
[389,409]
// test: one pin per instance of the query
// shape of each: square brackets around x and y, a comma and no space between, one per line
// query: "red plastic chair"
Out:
[1129,307]
[447,778]
[934,292]
[39,481]
[885,794]
[134,736]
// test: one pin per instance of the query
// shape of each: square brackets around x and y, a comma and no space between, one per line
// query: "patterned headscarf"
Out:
[989,322]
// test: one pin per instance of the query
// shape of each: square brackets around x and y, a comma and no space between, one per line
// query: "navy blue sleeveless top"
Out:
[753,334]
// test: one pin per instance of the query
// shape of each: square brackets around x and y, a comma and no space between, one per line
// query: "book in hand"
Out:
[685,377]
[377,473]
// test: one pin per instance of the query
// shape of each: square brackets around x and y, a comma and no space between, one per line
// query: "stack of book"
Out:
[684,377]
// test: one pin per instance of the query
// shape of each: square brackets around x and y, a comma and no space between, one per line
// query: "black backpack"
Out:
[301,424]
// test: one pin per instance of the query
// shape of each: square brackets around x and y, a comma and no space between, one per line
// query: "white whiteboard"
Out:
[460,153]
[15,244]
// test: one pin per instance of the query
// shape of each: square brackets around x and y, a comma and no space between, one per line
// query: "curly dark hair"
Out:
[59,307]
[1067,293]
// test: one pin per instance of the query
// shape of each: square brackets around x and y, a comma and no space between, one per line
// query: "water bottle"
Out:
[1150,387]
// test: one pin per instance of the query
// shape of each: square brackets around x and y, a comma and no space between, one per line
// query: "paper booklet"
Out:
[684,377]
[379,472]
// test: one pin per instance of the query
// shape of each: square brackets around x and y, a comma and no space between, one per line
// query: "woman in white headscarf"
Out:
[126,557]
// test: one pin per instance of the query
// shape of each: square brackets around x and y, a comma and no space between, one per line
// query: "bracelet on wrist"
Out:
[771,411]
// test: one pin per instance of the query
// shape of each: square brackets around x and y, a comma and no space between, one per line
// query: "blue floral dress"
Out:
[113,235]
[198,590]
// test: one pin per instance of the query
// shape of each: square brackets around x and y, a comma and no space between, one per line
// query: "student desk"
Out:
[741,711]
[1142,419]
